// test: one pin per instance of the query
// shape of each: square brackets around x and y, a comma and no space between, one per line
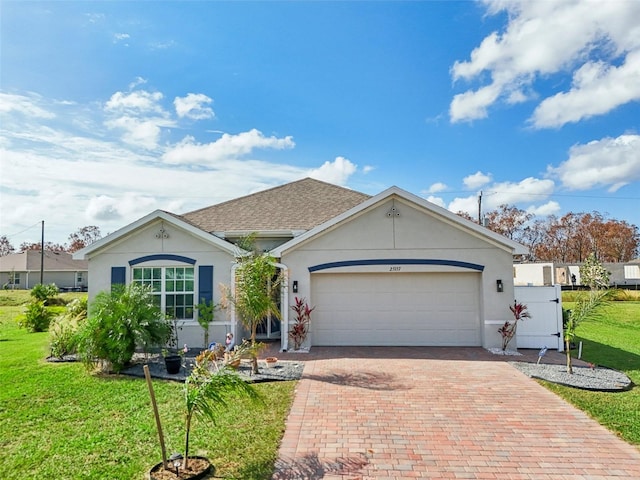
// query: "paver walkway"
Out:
[400,413]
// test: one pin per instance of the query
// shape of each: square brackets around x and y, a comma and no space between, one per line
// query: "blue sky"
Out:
[110,110]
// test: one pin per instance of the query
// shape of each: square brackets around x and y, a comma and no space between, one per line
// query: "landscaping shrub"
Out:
[619,295]
[36,317]
[44,293]
[65,326]
[118,322]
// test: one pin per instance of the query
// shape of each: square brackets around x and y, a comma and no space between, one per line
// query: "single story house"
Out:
[391,269]
[22,270]
[621,274]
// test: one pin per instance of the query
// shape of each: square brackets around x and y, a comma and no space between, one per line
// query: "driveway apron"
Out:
[408,413]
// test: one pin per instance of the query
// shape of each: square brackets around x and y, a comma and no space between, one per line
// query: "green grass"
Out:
[59,422]
[613,341]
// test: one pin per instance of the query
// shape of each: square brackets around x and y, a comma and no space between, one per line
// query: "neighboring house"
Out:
[622,274]
[22,270]
[390,269]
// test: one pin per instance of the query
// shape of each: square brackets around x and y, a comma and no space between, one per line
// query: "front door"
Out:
[269,328]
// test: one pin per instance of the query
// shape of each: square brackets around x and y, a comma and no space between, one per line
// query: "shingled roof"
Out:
[29,260]
[299,205]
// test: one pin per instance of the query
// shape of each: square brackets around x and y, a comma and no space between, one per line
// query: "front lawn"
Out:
[613,341]
[59,422]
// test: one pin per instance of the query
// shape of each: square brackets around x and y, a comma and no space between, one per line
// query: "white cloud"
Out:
[438,201]
[547,37]
[83,173]
[137,132]
[473,105]
[228,146]
[103,207]
[139,115]
[437,187]
[162,45]
[337,172]
[137,81]
[107,208]
[139,101]
[121,37]
[609,162]
[194,106]
[476,180]
[528,191]
[95,17]
[549,208]
[597,88]
[23,105]
[465,204]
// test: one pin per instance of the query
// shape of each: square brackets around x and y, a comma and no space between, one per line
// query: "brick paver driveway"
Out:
[396,413]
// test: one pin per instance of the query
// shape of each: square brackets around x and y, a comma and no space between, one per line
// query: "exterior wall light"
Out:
[295,286]
[499,286]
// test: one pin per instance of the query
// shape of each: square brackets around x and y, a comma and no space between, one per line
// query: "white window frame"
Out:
[160,285]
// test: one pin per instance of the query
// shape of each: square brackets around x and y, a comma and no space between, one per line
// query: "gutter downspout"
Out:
[284,308]
[232,287]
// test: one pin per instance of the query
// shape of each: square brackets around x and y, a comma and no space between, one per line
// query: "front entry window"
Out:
[172,287]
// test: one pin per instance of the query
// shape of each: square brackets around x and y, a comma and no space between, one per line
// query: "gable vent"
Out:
[394,212]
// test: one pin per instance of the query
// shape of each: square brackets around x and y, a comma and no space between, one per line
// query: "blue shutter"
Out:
[205,283]
[118,276]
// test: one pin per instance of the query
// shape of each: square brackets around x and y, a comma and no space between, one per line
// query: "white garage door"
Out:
[396,309]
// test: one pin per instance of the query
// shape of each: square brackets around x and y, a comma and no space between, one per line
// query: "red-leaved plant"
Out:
[300,328]
[508,330]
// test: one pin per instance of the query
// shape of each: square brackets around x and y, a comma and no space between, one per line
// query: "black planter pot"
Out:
[210,468]
[173,363]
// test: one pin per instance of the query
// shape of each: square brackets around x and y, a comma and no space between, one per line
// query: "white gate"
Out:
[544,328]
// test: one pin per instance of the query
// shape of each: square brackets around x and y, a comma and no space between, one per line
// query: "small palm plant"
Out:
[588,307]
[508,330]
[207,393]
[119,321]
[254,297]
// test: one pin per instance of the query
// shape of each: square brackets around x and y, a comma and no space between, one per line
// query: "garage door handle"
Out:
[557,300]
[557,334]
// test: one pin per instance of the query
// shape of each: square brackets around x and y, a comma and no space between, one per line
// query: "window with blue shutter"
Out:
[205,283]
[118,276]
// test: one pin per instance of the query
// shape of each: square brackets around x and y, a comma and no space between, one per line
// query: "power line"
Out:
[567,195]
[22,231]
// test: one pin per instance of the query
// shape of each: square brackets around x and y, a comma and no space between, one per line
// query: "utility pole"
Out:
[480,208]
[42,256]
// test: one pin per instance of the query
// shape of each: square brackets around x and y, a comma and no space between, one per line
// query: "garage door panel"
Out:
[396,309]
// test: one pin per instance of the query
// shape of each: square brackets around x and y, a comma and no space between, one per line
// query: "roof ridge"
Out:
[270,189]
[298,205]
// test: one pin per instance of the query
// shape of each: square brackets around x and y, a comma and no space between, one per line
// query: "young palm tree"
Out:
[207,393]
[256,282]
[587,307]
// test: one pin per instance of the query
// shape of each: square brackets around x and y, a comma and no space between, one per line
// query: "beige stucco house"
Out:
[390,269]
[22,270]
